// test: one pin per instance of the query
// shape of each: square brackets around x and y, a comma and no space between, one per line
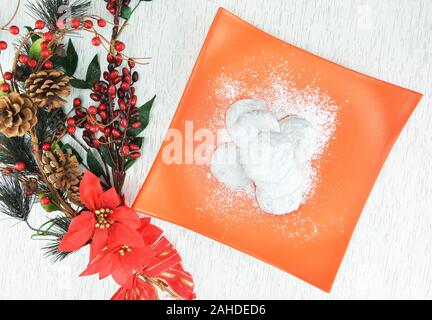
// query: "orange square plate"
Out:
[363,115]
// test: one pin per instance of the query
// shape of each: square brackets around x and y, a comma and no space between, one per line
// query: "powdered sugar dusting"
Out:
[279,88]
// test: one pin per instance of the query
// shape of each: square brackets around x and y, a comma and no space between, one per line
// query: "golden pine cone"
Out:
[61,169]
[17,115]
[48,88]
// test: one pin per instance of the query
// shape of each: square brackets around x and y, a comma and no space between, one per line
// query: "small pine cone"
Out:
[73,195]
[48,88]
[17,115]
[31,185]
[61,169]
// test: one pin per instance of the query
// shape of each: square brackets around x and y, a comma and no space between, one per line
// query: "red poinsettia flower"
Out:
[164,265]
[121,262]
[106,222]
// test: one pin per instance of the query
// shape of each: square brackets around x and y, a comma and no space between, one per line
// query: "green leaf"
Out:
[126,12]
[94,164]
[36,49]
[106,155]
[34,37]
[79,84]
[144,117]
[93,72]
[70,62]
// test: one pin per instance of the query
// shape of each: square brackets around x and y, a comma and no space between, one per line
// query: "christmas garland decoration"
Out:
[82,180]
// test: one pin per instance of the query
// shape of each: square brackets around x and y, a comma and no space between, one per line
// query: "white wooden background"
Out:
[390,255]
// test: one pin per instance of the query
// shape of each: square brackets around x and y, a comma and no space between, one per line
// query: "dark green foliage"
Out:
[56,228]
[18,149]
[93,74]
[13,201]
[48,123]
[52,10]
[144,117]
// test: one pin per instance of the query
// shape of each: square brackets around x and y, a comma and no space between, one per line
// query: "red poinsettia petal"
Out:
[98,243]
[80,231]
[90,191]
[123,276]
[126,216]
[120,294]
[110,199]
[99,263]
[120,234]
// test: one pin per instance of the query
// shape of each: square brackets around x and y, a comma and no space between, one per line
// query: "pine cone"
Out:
[73,195]
[47,88]
[63,172]
[17,115]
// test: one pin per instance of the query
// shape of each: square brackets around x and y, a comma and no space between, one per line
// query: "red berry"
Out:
[119,46]
[103,115]
[39,24]
[5,87]
[136,124]
[71,129]
[94,128]
[134,147]
[8,75]
[92,110]
[124,86]
[3,45]
[45,201]
[107,132]
[96,143]
[95,97]
[46,146]
[76,102]
[32,63]
[28,193]
[45,53]
[101,107]
[115,133]
[23,59]
[88,24]
[48,64]
[131,63]
[110,58]
[112,90]
[125,150]
[118,59]
[48,36]
[114,74]
[44,44]
[75,23]
[124,123]
[71,122]
[14,30]
[101,23]
[19,166]
[96,41]
[135,155]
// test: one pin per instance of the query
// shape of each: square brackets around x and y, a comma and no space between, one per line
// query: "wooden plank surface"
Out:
[390,255]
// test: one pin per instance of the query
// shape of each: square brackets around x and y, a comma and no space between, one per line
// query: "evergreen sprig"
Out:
[17,149]
[50,11]
[13,200]
[57,229]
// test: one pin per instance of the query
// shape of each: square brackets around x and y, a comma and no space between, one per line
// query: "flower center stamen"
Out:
[101,218]
[123,250]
